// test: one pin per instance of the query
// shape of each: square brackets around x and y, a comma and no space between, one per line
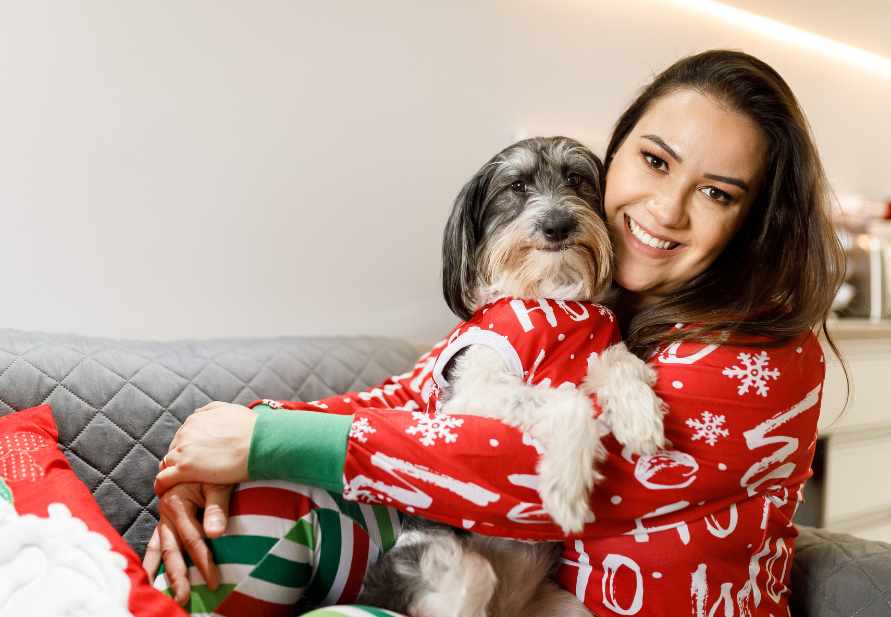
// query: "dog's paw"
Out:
[456,582]
[624,384]
[637,422]
[565,492]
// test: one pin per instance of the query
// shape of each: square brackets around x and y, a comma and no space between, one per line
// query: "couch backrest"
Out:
[117,404]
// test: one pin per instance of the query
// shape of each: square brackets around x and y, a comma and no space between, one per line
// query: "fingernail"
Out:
[217,522]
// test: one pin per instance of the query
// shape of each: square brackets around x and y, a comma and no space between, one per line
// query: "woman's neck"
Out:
[626,304]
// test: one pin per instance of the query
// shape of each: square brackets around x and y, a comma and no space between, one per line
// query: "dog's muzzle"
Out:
[555,229]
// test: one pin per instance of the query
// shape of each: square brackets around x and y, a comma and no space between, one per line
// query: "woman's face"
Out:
[678,189]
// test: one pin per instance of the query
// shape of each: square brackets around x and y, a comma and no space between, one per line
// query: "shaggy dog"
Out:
[528,225]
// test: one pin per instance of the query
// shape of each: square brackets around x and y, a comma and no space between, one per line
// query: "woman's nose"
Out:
[669,209]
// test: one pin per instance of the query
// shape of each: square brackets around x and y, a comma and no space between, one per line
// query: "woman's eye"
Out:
[573,180]
[518,187]
[655,162]
[717,194]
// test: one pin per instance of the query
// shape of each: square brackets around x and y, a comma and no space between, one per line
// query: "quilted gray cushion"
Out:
[837,575]
[117,404]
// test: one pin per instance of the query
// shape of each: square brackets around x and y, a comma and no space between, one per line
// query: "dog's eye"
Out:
[518,187]
[573,180]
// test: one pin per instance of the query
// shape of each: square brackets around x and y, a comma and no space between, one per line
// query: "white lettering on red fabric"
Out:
[641,533]
[611,565]
[670,355]
[757,438]
[775,585]
[379,492]
[527,513]
[522,313]
[715,528]
[699,593]
[537,362]
[572,314]
[585,569]
[526,480]
[412,495]
[750,589]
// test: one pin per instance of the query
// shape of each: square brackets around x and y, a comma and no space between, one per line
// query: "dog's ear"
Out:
[460,241]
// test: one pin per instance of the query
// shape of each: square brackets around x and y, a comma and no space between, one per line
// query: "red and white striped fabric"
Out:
[288,544]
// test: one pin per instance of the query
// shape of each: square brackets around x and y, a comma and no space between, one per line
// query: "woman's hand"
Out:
[211,446]
[179,528]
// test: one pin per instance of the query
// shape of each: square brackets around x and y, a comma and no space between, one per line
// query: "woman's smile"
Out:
[659,246]
[678,190]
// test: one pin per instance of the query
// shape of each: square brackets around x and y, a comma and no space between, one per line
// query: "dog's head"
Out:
[529,224]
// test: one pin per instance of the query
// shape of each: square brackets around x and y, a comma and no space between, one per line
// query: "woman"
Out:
[717,205]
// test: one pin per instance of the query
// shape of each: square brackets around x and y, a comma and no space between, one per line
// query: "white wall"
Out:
[218,168]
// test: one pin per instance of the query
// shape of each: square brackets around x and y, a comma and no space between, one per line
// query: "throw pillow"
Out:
[58,553]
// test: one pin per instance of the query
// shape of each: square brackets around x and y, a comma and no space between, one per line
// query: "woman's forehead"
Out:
[703,134]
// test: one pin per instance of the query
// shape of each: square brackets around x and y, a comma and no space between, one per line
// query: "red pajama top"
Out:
[702,527]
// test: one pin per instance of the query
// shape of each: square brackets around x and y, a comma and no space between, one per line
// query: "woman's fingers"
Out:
[152,560]
[168,478]
[216,510]
[180,507]
[174,563]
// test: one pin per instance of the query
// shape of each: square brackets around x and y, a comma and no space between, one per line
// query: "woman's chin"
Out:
[640,293]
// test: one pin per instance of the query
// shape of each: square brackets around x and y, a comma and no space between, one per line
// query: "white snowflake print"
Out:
[434,428]
[605,311]
[709,429]
[755,372]
[360,428]
[271,403]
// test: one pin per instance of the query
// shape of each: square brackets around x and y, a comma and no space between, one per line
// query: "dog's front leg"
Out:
[562,420]
[623,384]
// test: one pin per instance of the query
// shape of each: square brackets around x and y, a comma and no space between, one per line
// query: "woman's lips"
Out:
[645,238]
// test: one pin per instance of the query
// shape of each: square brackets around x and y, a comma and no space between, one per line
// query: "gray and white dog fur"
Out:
[528,225]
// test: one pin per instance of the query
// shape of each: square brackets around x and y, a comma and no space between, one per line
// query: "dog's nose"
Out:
[556,227]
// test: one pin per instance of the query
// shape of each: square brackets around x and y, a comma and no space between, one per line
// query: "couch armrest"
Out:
[838,575]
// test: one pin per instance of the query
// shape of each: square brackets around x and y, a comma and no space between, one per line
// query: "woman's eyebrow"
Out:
[661,142]
[733,181]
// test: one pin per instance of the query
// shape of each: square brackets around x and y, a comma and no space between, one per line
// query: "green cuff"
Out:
[305,447]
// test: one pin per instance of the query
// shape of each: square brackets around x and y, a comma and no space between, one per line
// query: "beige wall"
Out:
[218,168]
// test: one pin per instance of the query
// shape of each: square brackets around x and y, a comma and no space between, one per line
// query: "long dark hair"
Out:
[778,276]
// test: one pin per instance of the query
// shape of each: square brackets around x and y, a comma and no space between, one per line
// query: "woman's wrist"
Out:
[299,446]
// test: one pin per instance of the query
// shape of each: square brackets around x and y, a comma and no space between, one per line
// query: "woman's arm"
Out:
[289,443]
[741,421]
[404,391]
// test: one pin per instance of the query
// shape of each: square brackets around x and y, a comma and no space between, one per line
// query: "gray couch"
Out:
[117,405]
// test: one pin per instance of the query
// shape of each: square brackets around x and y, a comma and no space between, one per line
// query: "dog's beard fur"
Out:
[516,261]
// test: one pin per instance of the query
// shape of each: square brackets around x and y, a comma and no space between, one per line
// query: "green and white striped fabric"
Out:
[288,545]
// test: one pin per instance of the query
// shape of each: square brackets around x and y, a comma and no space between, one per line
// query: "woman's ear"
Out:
[460,241]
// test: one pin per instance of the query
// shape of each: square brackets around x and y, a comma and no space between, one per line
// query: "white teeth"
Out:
[647,239]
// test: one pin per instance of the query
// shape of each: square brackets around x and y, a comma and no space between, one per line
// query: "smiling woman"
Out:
[713,180]
[677,199]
